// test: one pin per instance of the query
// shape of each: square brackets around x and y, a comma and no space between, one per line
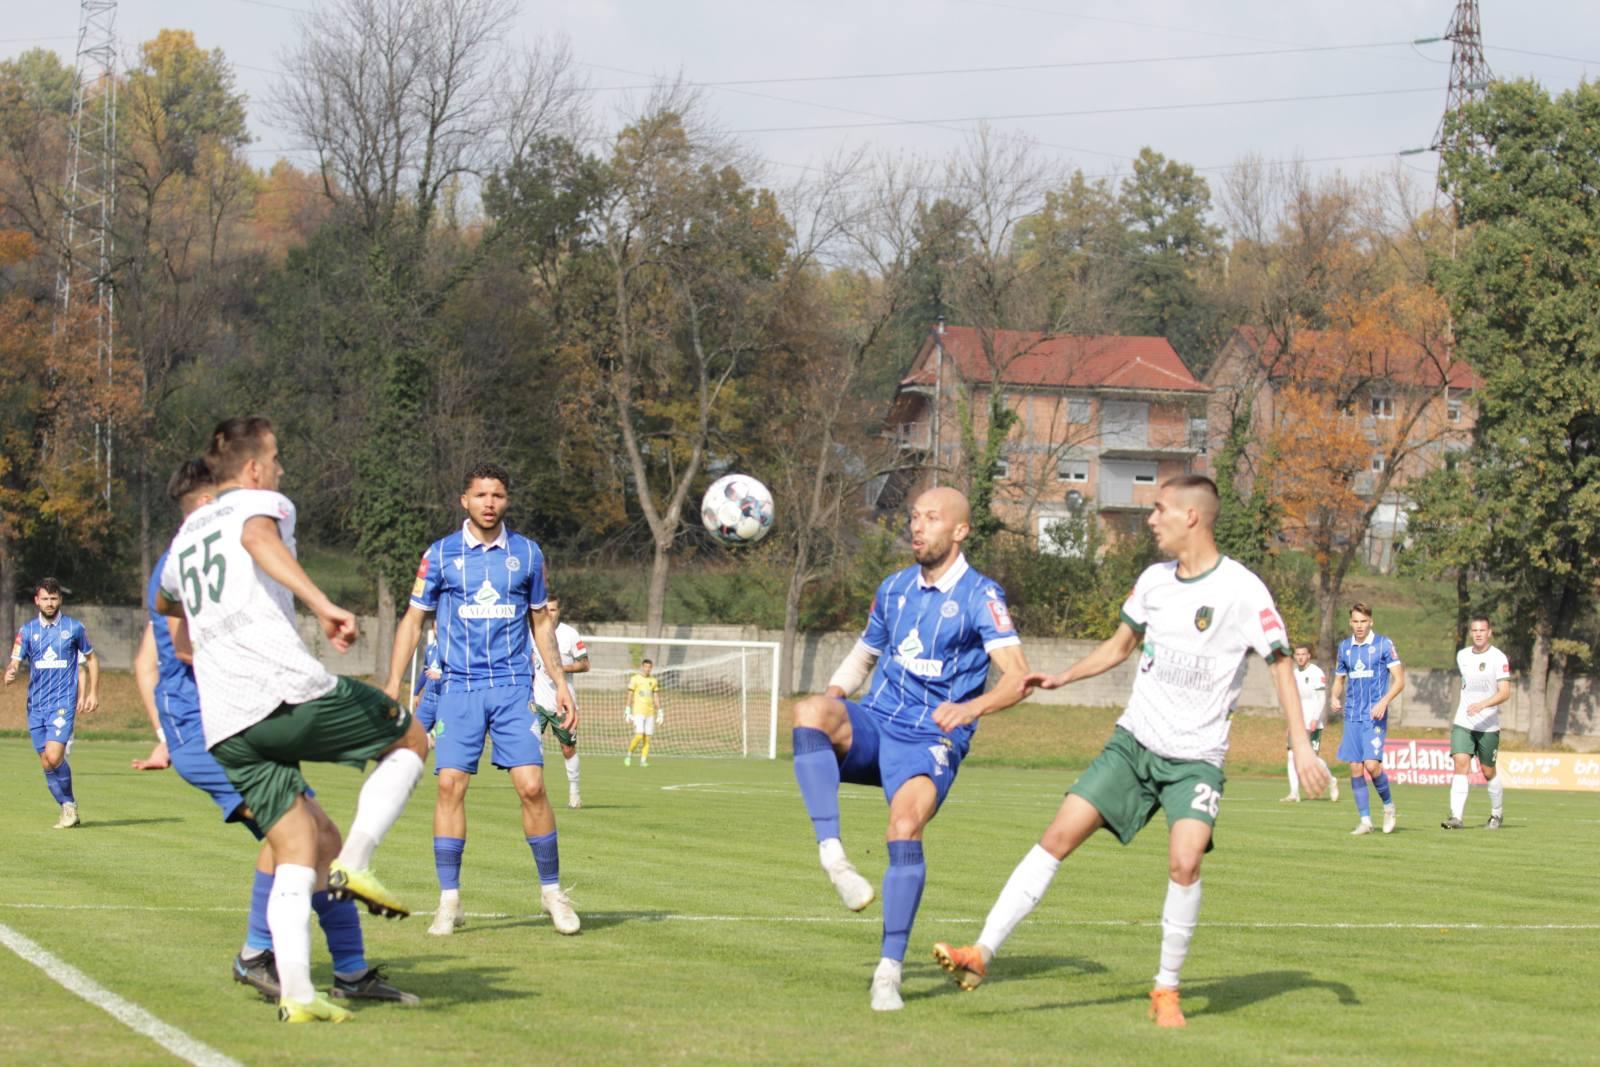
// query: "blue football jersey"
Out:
[51,651]
[177,695]
[481,595]
[1366,671]
[933,644]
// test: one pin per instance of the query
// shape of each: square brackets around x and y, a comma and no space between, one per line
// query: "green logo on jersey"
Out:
[1202,619]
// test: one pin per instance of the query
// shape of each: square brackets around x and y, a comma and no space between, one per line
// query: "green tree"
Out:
[1166,206]
[1525,295]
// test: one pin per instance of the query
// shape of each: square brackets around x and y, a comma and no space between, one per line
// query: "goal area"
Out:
[718,698]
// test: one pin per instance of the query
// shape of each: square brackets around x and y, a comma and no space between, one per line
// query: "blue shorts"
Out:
[186,747]
[501,714]
[877,757]
[1363,740]
[51,724]
[427,710]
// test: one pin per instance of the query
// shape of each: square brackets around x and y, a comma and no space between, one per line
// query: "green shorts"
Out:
[351,724]
[549,720]
[1127,782]
[1484,744]
[1315,737]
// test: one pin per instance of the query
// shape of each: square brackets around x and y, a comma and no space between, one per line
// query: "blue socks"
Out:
[816,768]
[1358,789]
[447,860]
[1381,784]
[341,925]
[339,919]
[59,781]
[258,937]
[53,781]
[902,893]
[546,857]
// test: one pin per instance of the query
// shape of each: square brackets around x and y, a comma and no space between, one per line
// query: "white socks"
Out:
[1178,920]
[572,770]
[1022,893]
[1458,795]
[383,798]
[830,852]
[1294,779]
[289,919]
[1497,796]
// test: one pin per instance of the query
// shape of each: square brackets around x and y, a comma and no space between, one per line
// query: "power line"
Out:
[1018,68]
[1095,111]
[1542,55]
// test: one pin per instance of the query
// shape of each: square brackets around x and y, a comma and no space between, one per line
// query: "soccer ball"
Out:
[737,510]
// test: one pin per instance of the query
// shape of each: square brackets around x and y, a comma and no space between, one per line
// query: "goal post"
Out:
[718,698]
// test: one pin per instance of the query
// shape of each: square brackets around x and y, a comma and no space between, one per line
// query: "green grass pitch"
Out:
[711,936]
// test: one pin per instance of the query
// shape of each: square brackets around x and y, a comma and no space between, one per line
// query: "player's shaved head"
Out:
[951,503]
[1198,492]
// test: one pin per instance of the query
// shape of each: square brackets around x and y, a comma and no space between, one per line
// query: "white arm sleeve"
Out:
[856,668]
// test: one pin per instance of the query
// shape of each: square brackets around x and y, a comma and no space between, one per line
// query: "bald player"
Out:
[1193,620]
[934,629]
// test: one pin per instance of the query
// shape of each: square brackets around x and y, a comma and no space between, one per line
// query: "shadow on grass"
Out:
[1018,967]
[592,920]
[446,980]
[97,824]
[1224,995]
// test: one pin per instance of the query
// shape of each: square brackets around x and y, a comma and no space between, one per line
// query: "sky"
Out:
[1207,82]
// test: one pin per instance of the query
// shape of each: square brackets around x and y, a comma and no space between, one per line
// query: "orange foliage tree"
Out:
[1367,409]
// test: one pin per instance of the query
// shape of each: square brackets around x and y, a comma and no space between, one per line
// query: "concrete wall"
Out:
[1429,699]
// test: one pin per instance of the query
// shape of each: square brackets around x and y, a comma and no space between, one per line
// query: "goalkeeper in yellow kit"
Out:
[644,708]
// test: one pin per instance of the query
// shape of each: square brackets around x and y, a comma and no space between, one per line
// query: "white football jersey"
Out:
[248,656]
[1313,686]
[1480,677]
[571,649]
[1196,634]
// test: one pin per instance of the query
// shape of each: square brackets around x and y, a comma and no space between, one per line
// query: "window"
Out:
[1199,435]
[1452,410]
[1377,464]
[1077,409]
[1072,470]
[1002,468]
[1144,477]
[1383,407]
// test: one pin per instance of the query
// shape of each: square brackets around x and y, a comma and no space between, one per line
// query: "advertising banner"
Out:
[1427,762]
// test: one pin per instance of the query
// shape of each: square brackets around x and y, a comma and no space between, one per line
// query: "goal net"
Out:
[718,698]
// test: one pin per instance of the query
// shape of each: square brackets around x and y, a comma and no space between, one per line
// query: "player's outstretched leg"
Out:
[383,797]
[816,770]
[1075,820]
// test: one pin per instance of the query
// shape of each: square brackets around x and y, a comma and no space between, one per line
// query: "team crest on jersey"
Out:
[513,564]
[949,610]
[1202,619]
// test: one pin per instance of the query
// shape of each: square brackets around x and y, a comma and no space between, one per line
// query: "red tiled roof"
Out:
[1063,361]
[1317,354]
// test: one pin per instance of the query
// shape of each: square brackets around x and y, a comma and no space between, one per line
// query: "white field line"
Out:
[686,917]
[126,1012]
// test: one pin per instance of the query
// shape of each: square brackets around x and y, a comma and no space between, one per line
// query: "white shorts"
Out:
[644,724]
